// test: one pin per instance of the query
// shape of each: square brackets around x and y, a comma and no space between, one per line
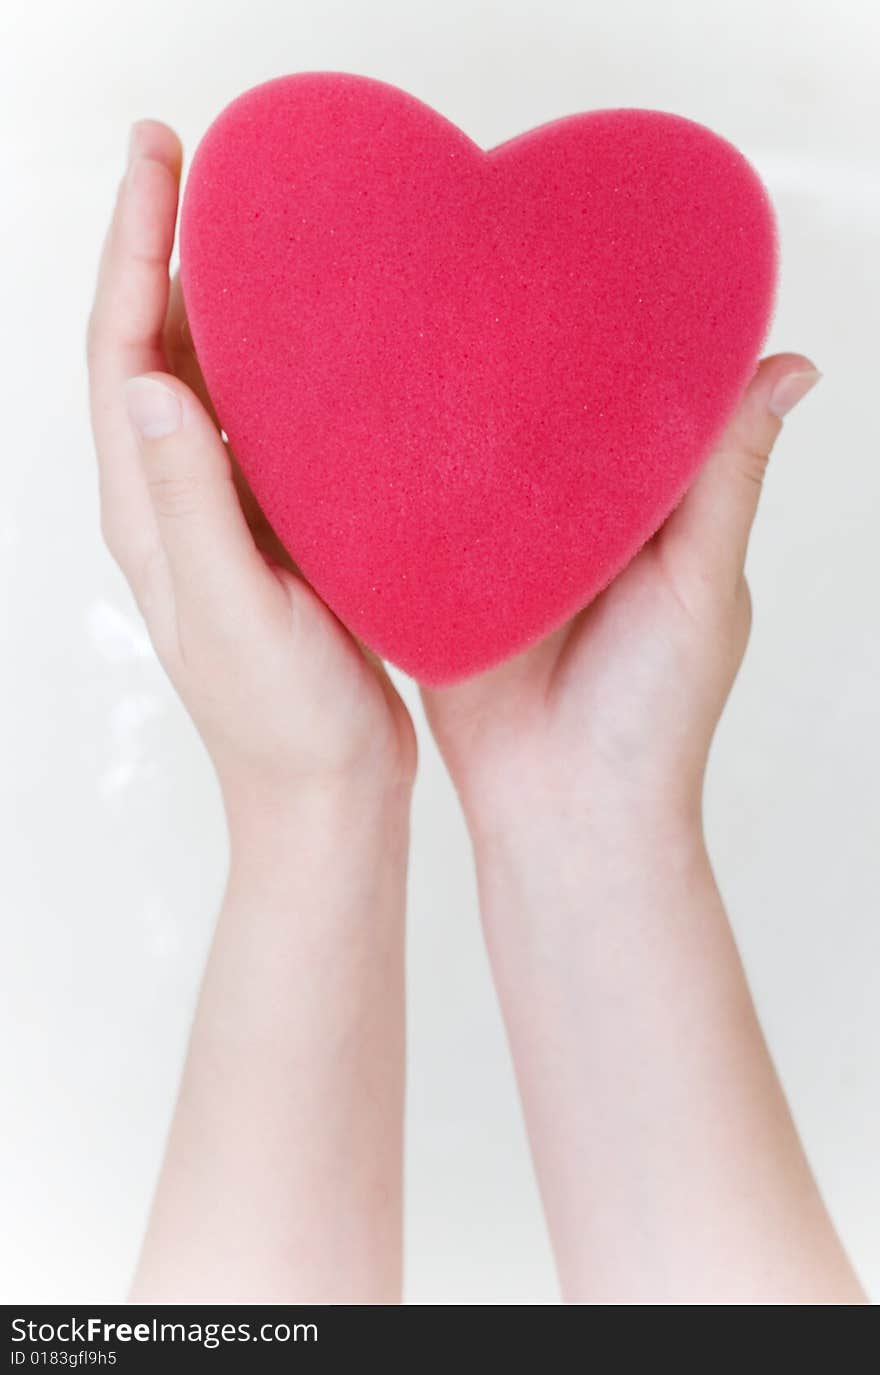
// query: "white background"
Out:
[111,839]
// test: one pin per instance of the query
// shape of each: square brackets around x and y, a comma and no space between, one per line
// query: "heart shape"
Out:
[466,387]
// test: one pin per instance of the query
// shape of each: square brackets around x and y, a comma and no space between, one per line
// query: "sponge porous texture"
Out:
[467,386]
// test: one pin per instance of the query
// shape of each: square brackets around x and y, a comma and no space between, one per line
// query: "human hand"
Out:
[315,754]
[281,694]
[669,1166]
[615,712]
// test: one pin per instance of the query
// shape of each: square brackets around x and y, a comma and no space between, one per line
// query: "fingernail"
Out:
[791,389]
[153,409]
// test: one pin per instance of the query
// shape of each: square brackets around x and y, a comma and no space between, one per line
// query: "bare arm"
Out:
[669,1165]
[282,1177]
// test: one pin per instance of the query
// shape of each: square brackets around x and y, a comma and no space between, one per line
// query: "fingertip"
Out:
[145,218]
[780,381]
[776,364]
[792,388]
[150,138]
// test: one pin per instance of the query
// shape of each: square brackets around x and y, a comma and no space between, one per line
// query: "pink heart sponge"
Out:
[466,386]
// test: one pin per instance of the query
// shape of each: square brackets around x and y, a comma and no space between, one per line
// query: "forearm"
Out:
[670,1167]
[282,1177]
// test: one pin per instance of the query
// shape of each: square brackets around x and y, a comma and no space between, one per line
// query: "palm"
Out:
[643,671]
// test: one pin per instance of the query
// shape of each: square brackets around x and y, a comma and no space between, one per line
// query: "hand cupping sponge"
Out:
[467,386]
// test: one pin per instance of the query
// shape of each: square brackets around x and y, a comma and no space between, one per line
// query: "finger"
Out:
[131,297]
[713,522]
[217,575]
[125,326]
[182,361]
[180,350]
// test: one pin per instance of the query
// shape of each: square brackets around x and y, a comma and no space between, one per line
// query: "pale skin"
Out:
[282,1176]
[668,1162]
[669,1165]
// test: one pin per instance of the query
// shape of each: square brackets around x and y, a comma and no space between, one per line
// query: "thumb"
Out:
[212,559]
[713,523]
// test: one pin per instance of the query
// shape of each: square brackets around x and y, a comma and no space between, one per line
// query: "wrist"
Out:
[551,852]
[516,809]
[579,844]
[328,825]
